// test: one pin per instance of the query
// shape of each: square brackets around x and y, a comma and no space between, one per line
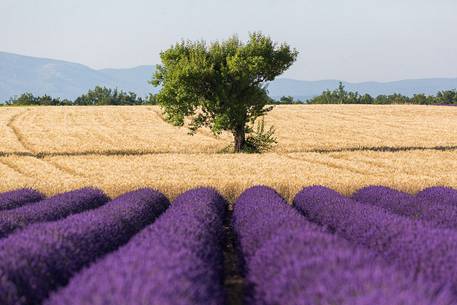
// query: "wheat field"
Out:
[55,149]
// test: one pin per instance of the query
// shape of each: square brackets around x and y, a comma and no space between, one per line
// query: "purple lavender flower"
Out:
[259,212]
[44,256]
[50,209]
[176,260]
[440,194]
[433,211]
[291,261]
[18,198]
[413,246]
[300,267]
[390,199]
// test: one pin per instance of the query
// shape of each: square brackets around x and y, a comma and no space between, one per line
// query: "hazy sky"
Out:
[354,40]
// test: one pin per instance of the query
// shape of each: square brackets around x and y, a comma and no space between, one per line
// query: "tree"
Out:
[151,99]
[23,100]
[447,97]
[341,93]
[105,96]
[366,99]
[286,100]
[421,99]
[221,85]
[28,99]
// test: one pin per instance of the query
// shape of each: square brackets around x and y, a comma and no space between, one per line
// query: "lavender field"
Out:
[378,246]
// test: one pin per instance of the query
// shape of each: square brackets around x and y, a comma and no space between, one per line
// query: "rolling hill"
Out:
[19,74]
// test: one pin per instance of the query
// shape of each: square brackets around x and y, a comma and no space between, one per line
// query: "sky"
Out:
[352,40]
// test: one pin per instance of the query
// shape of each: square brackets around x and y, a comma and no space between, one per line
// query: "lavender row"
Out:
[50,209]
[436,212]
[177,260]
[44,256]
[291,261]
[415,247]
[444,195]
[18,198]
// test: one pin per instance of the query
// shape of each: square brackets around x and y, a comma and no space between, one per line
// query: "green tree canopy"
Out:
[221,85]
[341,96]
[106,96]
[28,99]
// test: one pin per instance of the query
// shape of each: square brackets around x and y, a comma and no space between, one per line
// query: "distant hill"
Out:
[307,89]
[132,79]
[19,74]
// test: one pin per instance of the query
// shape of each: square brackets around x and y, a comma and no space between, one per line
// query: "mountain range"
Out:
[19,74]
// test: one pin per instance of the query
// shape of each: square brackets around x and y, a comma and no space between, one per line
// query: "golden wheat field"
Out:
[54,149]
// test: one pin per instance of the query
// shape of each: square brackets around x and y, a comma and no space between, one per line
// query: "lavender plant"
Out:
[18,198]
[45,256]
[413,246]
[433,211]
[176,260]
[442,194]
[53,208]
[289,260]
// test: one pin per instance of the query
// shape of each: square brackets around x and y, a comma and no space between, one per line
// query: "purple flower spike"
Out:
[177,260]
[434,212]
[259,212]
[439,194]
[18,198]
[290,261]
[45,256]
[53,208]
[416,247]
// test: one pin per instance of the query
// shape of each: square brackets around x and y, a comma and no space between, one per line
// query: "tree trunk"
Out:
[240,138]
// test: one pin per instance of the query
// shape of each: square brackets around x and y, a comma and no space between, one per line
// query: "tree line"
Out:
[94,97]
[105,96]
[341,96]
